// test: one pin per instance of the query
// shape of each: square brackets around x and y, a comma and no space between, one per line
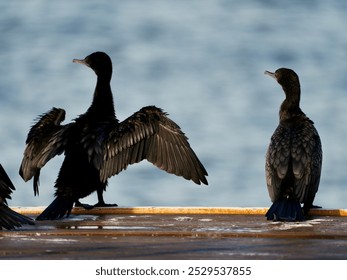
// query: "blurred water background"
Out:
[203,63]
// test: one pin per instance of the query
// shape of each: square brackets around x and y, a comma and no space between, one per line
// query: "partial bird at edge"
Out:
[9,219]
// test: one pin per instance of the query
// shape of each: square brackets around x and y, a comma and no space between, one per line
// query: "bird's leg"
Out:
[101,202]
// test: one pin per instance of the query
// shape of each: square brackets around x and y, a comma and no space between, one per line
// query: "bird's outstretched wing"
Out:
[150,134]
[9,219]
[46,139]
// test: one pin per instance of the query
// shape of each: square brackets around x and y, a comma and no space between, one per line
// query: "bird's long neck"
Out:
[102,107]
[290,107]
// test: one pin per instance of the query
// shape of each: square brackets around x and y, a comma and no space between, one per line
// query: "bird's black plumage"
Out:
[9,219]
[294,156]
[98,146]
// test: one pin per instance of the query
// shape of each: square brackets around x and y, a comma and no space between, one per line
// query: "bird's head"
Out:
[287,78]
[100,62]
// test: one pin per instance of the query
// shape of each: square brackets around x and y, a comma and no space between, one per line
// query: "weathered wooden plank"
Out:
[180,233]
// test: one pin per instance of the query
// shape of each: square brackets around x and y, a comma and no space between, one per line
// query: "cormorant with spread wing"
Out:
[294,157]
[9,219]
[98,146]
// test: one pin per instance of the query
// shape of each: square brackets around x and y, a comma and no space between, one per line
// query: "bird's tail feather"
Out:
[60,207]
[10,219]
[285,210]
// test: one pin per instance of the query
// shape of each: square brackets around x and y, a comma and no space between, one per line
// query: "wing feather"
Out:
[150,134]
[45,140]
[277,161]
[307,162]
[296,150]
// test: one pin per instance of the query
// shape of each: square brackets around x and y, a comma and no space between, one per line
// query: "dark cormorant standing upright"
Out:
[98,146]
[294,157]
[9,219]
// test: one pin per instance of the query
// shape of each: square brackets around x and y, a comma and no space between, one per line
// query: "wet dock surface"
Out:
[177,233]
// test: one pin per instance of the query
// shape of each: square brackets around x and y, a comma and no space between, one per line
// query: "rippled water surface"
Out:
[203,63]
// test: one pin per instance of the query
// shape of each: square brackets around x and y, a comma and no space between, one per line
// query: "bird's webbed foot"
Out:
[103,204]
[84,205]
[99,204]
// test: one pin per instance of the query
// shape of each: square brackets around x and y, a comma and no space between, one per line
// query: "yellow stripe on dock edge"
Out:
[147,210]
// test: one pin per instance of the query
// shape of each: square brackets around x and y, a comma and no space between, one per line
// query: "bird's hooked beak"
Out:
[271,74]
[81,61]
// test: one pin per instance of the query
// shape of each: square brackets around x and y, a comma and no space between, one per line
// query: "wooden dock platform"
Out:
[177,233]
